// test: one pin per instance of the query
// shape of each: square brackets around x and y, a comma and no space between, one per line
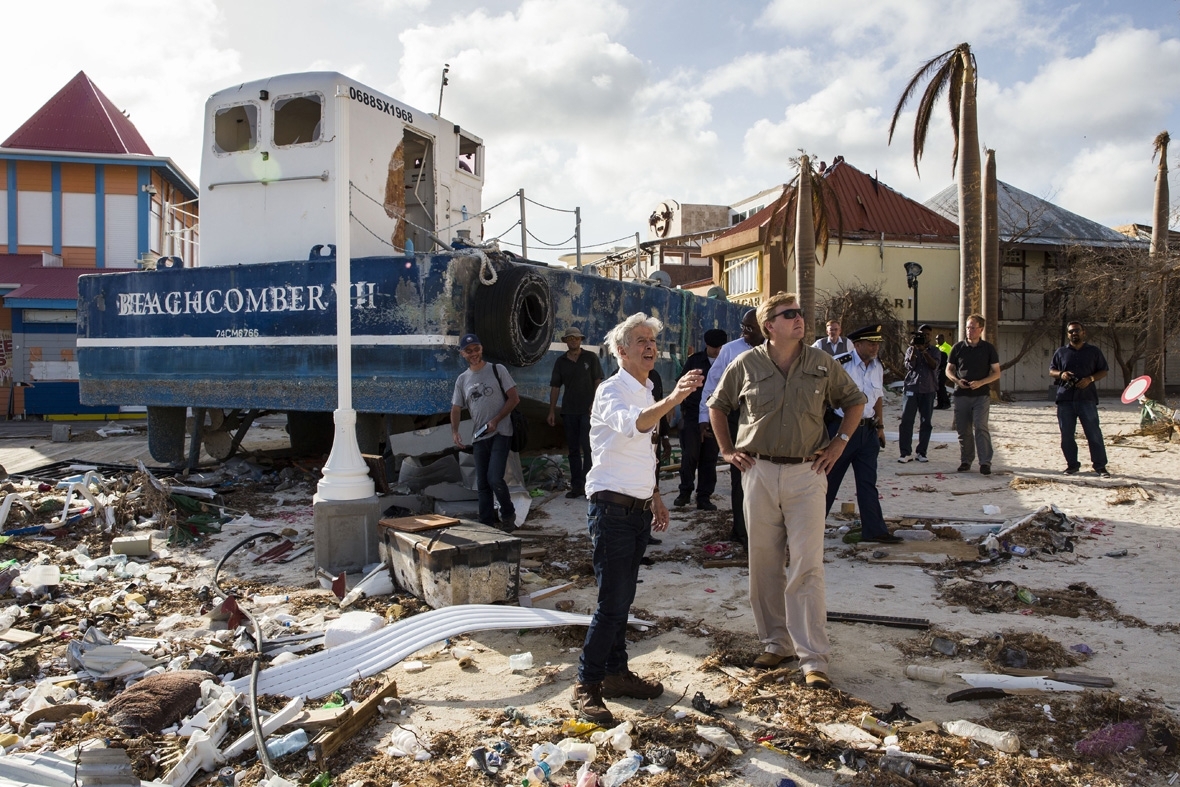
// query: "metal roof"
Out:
[1025,219]
[79,118]
[34,281]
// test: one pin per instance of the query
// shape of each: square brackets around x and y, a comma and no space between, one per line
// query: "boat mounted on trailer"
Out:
[252,329]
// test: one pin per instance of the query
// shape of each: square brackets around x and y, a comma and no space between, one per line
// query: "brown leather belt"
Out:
[785,460]
[616,499]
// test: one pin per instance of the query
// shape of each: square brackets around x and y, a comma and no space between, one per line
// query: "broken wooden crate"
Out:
[460,563]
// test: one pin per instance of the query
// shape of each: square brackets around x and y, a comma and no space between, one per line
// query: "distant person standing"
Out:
[751,337]
[579,373]
[922,361]
[479,390]
[944,399]
[1077,367]
[867,439]
[973,365]
[833,344]
[698,453]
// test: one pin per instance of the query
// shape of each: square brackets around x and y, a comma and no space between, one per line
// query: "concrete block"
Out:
[467,563]
[61,433]
[132,545]
[345,534]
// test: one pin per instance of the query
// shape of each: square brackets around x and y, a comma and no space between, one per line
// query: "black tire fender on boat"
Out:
[514,316]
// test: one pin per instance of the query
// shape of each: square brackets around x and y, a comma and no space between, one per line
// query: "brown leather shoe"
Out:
[587,701]
[817,680]
[628,684]
[768,660]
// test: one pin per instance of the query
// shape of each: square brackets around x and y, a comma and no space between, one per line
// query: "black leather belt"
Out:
[869,422]
[616,499]
[785,460]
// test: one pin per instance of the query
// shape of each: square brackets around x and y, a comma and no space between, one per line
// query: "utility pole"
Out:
[446,68]
[524,235]
[578,238]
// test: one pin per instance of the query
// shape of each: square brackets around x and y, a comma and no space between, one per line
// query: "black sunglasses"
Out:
[790,314]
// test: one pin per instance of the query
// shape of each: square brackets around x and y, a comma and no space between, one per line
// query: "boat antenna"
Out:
[446,68]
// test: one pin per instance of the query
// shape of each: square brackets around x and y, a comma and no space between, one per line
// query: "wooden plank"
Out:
[317,719]
[416,524]
[726,563]
[533,552]
[328,742]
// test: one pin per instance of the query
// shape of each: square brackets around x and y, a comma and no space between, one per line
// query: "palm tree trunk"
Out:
[990,253]
[970,200]
[1157,295]
[805,260]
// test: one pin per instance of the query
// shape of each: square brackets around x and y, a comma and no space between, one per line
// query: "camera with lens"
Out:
[1068,383]
[918,339]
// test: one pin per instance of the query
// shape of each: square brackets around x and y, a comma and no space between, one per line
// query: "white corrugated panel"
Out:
[4,220]
[122,245]
[34,218]
[77,220]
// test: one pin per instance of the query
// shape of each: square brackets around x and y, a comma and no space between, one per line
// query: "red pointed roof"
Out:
[79,118]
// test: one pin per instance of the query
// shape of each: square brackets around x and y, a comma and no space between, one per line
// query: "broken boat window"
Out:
[297,120]
[469,155]
[235,128]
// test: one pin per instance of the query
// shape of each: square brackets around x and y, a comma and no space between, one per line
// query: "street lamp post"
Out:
[912,271]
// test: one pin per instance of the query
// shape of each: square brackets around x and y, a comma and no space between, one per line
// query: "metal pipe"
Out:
[524,237]
[322,176]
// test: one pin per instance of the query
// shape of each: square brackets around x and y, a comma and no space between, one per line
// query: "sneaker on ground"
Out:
[705,505]
[681,500]
[574,493]
[628,684]
[904,459]
[587,701]
[921,458]
[963,468]
[1103,473]
[985,469]
[1071,470]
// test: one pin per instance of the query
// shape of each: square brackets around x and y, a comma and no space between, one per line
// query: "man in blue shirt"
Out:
[1077,367]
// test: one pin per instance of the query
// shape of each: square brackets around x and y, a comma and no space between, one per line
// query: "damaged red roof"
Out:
[34,280]
[79,118]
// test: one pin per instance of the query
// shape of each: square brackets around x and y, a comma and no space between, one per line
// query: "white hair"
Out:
[620,335]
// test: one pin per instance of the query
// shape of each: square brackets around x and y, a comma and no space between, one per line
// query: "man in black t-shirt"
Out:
[1077,367]
[698,452]
[973,366]
[580,373]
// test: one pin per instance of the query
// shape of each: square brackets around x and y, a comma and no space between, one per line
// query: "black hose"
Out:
[255,724]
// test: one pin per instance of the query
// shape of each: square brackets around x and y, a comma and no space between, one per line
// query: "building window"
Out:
[235,128]
[470,159]
[743,275]
[298,120]
[1022,292]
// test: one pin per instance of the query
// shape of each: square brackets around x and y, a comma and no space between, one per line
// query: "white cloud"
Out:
[1115,181]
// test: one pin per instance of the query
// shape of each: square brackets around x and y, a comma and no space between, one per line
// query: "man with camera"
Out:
[973,366]
[1077,367]
[922,360]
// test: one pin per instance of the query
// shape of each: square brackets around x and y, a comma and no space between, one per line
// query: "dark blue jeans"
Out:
[737,494]
[577,440]
[491,457]
[922,405]
[1068,415]
[620,537]
[861,455]
[698,461]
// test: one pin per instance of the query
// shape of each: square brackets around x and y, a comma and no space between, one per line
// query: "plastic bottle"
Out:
[550,756]
[874,725]
[287,744]
[621,771]
[578,751]
[519,661]
[1001,741]
[618,738]
[899,765]
[587,777]
[928,674]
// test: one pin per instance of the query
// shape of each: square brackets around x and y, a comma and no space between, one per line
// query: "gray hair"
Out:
[620,335]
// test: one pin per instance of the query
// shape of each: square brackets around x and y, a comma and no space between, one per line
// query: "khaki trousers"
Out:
[784,508]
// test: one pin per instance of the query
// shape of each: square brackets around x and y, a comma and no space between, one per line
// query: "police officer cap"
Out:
[869,333]
[715,337]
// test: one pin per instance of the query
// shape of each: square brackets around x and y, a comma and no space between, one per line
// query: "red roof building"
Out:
[81,119]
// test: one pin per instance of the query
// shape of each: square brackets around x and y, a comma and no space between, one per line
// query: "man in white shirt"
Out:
[833,344]
[625,507]
[869,438]
[751,337]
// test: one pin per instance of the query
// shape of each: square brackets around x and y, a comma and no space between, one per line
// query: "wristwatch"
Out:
[843,437]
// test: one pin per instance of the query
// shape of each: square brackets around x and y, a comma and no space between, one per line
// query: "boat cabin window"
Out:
[470,156]
[297,119]
[235,128]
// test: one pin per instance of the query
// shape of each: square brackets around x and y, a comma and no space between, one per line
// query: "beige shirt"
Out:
[783,415]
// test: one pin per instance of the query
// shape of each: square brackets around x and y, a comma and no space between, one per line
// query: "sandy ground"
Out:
[697,608]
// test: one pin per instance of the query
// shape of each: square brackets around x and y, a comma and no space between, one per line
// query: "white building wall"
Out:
[34,218]
[122,246]
[77,220]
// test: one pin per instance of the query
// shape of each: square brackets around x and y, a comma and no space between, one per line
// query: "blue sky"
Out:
[615,106]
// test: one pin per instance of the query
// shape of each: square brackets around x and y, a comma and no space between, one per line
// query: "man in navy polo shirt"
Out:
[1077,367]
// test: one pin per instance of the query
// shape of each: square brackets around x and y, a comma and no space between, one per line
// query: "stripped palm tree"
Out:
[954,72]
[807,199]
[990,245]
[1157,296]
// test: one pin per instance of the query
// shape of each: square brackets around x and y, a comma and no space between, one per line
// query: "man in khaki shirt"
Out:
[784,453]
